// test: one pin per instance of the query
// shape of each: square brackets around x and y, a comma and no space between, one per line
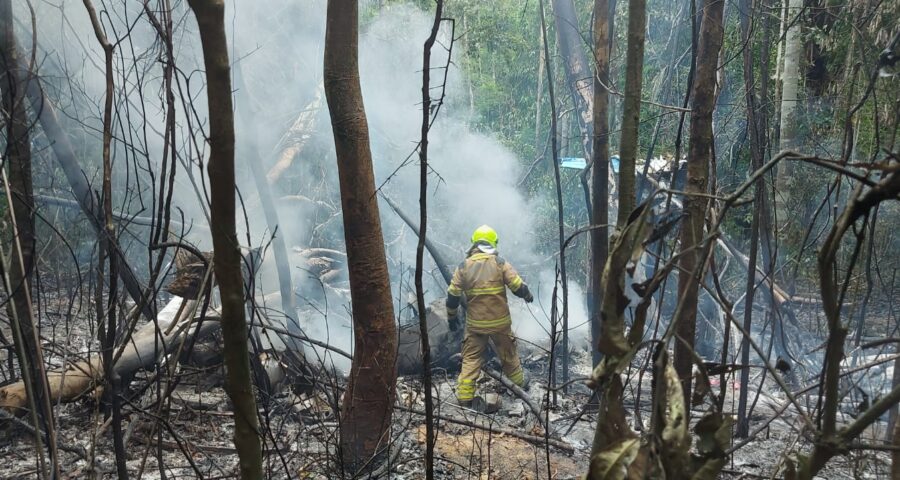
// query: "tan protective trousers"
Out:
[475,344]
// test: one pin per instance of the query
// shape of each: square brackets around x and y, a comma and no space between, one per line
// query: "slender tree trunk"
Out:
[21,262]
[577,68]
[248,123]
[631,111]
[368,401]
[227,265]
[420,245]
[695,207]
[108,332]
[756,128]
[599,170]
[559,205]
[789,100]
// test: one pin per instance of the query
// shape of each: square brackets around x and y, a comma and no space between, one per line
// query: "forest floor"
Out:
[193,436]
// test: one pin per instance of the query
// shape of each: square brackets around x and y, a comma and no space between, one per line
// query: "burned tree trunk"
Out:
[578,71]
[211,21]
[599,170]
[366,414]
[107,330]
[631,112]
[695,204]
[20,194]
[282,263]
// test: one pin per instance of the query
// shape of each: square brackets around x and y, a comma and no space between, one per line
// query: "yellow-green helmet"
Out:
[487,234]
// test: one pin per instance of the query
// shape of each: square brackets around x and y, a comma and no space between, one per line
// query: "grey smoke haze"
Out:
[278,46]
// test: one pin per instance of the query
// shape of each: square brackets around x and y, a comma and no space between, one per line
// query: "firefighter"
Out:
[483,278]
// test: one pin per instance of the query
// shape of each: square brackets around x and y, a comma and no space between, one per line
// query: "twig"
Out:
[512,433]
[517,391]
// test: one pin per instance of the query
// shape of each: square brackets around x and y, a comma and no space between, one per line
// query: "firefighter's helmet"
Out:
[487,234]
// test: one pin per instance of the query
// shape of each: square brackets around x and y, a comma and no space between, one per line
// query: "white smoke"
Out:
[278,46]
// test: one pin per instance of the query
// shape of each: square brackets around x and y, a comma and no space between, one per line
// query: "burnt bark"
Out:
[695,204]
[559,212]
[227,265]
[367,408]
[107,328]
[420,245]
[599,170]
[20,194]
[631,111]
[577,68]
[756,128]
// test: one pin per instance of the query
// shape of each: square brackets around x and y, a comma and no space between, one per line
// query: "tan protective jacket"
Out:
[483,278]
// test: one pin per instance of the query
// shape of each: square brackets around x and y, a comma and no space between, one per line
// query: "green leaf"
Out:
[612,463]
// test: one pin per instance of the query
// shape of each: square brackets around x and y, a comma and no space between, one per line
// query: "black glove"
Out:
[453,322]
[525,294]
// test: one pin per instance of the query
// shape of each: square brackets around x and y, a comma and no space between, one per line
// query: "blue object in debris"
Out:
[572,162]
[580,163]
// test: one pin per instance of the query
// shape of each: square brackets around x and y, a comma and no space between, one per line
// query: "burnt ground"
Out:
[194,440]
[301,435]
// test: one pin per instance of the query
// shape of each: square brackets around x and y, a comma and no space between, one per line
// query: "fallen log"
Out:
[147,345]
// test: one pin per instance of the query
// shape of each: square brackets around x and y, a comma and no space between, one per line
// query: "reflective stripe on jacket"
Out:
[483,279]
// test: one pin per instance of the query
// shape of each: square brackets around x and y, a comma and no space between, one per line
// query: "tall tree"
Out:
[700,151]
[423,232]
[599,170]
[757,128]
[631,111]
[368,401]
[226,250]
[20,264]
[577,68]
[560,214]
[106,316]
[790,80]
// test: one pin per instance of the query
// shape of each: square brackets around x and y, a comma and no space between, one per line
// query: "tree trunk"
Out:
[560,223]
[756,133]
[227,264]
[107,328]
[790,81]
[631,111]
[578,71]
[249,123]
[423,233]
[699,159]
[599,170]
[20,264]
[368,401]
